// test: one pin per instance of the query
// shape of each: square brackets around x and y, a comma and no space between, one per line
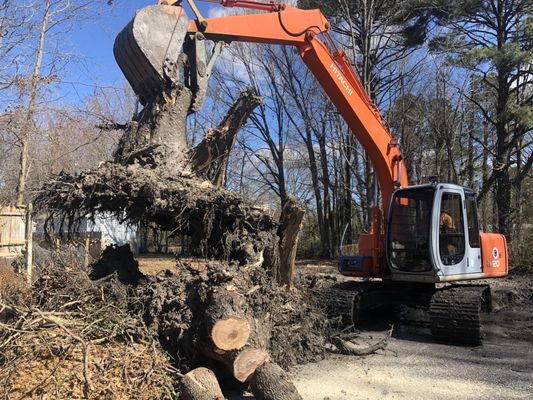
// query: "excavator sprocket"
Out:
[149,45]
[455,313]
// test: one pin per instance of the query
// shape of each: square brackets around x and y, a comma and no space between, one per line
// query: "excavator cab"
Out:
[433,235]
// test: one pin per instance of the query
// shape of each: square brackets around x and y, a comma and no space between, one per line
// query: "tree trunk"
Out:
[231,334]
[485,182]
[346,204]
[313,167]
[290,226]
[328,217]
[241,363]
[200,384]
[157,138]
[29,125]
[210,157]
[225,322]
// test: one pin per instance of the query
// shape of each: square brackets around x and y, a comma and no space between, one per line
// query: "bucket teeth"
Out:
[153,37]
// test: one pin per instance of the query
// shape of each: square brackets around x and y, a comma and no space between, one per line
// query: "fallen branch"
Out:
[349,347]
[86,372]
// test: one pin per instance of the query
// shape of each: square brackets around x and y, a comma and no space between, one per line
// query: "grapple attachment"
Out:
[149,45]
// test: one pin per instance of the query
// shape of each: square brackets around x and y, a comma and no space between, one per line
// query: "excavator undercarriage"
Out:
[452,313]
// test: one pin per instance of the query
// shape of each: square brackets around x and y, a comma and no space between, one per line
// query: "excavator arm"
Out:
[285,25]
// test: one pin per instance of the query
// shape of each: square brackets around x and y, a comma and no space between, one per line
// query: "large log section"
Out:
[270,382]
[200,384]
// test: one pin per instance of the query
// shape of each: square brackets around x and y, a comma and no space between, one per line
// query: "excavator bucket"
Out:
[149,45]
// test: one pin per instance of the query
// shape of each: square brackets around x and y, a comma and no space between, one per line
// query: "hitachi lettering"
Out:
[341,78]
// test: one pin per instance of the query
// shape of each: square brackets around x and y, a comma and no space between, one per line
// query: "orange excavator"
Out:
[429,238]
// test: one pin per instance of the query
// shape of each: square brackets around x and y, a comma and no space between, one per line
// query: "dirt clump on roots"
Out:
[172,307]
[222,224]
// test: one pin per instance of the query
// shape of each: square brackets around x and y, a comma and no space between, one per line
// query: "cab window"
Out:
[472,220]
[451,229]
[409,230]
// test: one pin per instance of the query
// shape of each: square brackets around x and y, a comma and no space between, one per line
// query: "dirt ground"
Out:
[154,264]
[413,366]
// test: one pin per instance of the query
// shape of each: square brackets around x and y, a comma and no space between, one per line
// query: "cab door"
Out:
[474,261]
[457,236]
[450,239]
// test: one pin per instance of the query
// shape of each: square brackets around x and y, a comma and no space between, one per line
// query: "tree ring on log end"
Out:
[247,362]
[230,334]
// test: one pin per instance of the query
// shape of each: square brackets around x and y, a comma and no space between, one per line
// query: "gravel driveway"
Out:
[413,366]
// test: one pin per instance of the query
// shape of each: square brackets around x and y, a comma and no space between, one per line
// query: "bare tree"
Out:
[54,16]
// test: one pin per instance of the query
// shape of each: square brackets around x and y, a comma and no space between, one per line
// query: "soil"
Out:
[413,367]
[157,264]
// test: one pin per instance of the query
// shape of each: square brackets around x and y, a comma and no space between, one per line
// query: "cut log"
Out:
[270,382]
[225,320]
[200,384]
[247,362]
[231,335]
[210,157]
[290,226]
[241,363]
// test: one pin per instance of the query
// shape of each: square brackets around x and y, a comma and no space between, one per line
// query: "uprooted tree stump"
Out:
[291,221]
[230,311]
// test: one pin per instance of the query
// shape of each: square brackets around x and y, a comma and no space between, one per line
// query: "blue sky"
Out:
[92,44]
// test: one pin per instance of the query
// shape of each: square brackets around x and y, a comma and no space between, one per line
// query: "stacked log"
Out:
[200,384]
[231,337]
[270,382]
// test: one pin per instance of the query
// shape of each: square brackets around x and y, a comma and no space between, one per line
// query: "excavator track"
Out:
[452,314]
[455,313]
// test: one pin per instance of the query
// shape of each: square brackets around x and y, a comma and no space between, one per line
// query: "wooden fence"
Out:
[12,231]
[16,234]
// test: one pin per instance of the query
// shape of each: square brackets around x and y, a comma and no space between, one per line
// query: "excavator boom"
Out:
[280,25]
